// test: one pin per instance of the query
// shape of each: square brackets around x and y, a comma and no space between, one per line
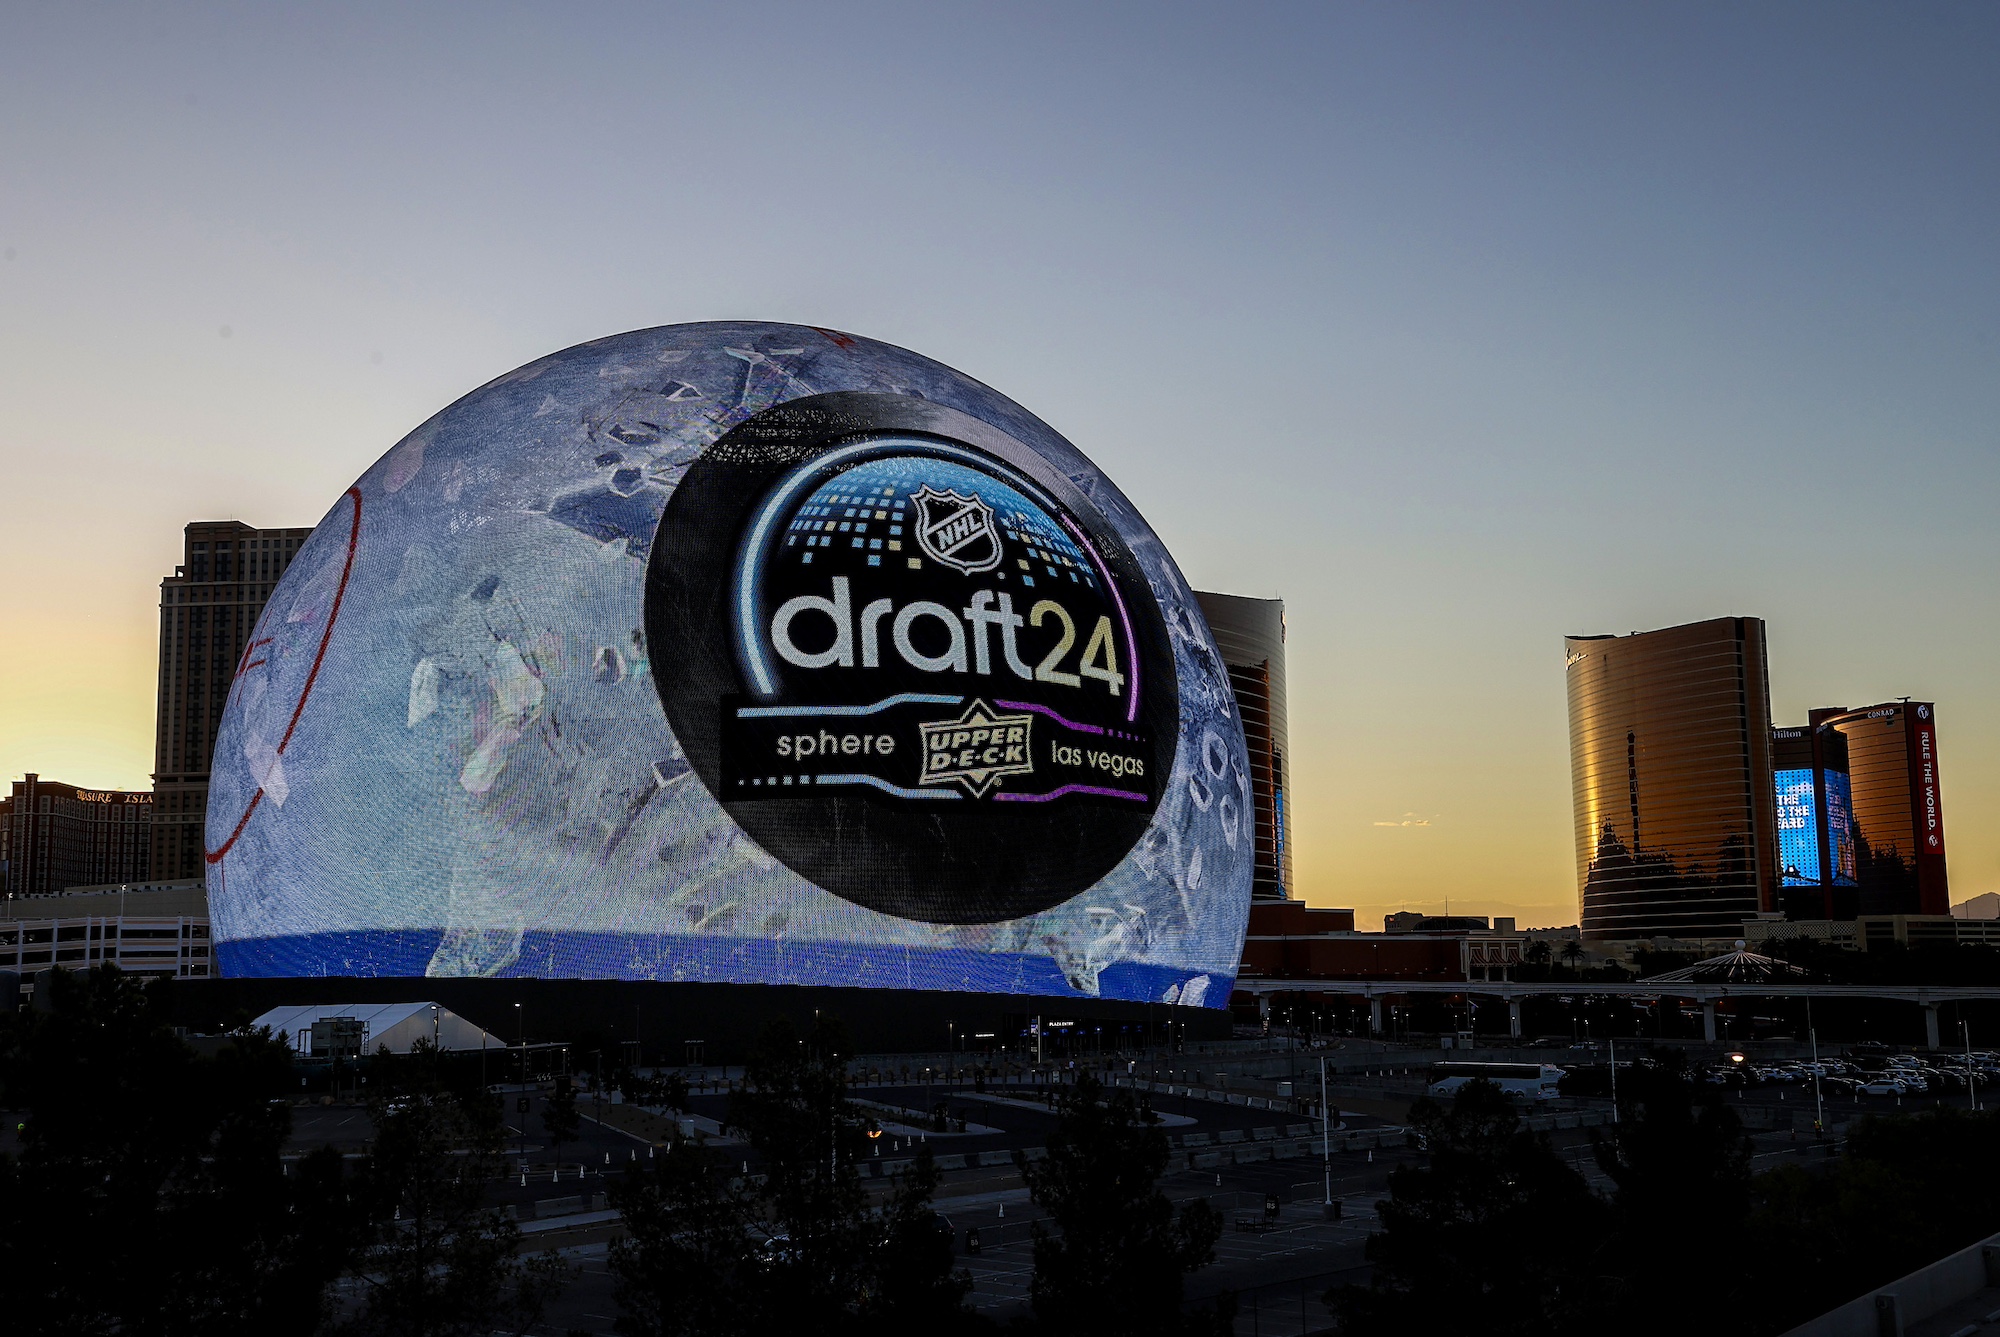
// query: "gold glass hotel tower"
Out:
[1670,766]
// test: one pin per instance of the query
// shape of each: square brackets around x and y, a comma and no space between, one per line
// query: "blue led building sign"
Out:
[1840,826]
[1798,829]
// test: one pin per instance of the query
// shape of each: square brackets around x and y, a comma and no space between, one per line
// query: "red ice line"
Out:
[332,616]
[246,664]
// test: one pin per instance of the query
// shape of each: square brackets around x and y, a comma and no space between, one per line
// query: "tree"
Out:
[1113,1256]
[441,1262]
[809,1141]
[1493,1234]
[559,1117]
[1680,1164]
[669,1089]
[918,1288]
[149,1196]
[1908,1191]
[687,1266]
[700,1254]
[828,1261]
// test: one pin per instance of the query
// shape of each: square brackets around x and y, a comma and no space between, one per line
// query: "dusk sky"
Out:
[1459,327]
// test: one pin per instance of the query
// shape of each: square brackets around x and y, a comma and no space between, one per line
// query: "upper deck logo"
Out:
[977,749]
[957,529]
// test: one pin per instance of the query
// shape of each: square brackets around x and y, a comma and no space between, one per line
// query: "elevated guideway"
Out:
[1927,996]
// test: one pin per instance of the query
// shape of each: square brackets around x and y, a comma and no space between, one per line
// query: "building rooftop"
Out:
[1737,967]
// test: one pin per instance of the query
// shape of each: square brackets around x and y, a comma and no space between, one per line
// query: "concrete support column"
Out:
[1708,1022]
[1514,1017]
[1930,1025]
[1374,1016]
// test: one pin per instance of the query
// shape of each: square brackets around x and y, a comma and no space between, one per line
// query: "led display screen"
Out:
[1798,829]
[735,652]
[1840,826]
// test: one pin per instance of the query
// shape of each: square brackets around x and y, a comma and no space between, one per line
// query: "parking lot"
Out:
[1864,1075]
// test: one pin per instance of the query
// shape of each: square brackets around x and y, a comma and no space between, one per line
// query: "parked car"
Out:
[1883,1086]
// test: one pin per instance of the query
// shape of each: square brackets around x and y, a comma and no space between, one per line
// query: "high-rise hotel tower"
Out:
[1896,815]
[1251,635]
[1860,818]
[1670,768]
[208,607]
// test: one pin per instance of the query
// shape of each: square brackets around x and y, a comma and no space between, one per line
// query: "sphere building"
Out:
[735,652]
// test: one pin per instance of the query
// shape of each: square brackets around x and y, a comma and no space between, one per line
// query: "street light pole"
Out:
[1971,1077]
[1292,1049]
[521,1033]
[1325,1132]
[1819,1104]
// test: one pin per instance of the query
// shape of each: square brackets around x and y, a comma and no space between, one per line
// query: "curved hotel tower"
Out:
[1670,766]
[1896,838]
[1251,635]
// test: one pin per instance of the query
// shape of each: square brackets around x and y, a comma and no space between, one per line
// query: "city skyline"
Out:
[1461,334]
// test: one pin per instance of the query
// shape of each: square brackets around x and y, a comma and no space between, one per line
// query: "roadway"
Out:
[1929,994]
[1930,997]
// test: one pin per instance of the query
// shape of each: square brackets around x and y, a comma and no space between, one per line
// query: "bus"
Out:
[1532,1081]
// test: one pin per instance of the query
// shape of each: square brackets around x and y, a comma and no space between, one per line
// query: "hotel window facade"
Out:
[59,836]
[208,608]
[1897,816]
[1251,635]
[1816,864]
[1671,776]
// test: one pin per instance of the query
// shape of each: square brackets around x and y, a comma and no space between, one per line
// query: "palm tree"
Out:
[1572,955]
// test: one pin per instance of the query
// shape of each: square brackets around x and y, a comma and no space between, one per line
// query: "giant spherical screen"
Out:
[735,652]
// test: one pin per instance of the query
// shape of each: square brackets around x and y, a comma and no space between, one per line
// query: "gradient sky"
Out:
[1461,327]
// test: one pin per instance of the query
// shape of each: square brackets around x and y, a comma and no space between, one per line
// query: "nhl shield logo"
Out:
[957,530]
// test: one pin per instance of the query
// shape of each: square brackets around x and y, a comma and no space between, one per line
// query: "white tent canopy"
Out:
[397,1025]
